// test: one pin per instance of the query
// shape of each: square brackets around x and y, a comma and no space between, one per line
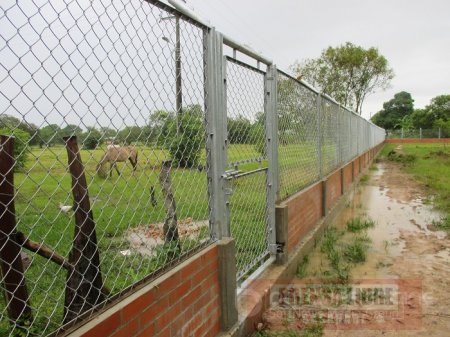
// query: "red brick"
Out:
[189,299]
[167,317]
[192,268]
[105,328]
[158,308]
[128,330]
[147,332]
[137,306]
[179,292]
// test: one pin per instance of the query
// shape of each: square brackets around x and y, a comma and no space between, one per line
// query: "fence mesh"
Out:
[110,187]
[298,135]
[418,133]
[110,74]
[247,159]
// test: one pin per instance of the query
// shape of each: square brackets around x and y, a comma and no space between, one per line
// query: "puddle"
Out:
[395,208]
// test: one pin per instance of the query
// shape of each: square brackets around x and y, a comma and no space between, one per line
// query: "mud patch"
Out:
[143,239]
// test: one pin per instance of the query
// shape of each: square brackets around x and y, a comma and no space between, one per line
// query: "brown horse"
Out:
[116,154]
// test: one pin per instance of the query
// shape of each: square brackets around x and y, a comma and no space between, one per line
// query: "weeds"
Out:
[355,252]
[358,224]
[301,269]
[364,179]
[401,158]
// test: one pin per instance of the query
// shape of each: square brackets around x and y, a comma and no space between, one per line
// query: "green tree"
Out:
[185,148]
[434,114]
[396,113]
[11,122]
[21,143]
[239,130]
[348,73]
[50,135]
[91,138]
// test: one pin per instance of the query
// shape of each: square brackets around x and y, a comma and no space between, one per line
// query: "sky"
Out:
[413,35]
[111,64]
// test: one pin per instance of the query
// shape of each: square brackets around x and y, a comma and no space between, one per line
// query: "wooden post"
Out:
[170,223]
[16,293]
[84,284]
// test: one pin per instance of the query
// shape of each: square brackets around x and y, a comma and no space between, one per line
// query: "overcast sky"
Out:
[414,36]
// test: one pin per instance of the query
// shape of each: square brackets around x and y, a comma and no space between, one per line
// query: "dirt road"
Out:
[404,247]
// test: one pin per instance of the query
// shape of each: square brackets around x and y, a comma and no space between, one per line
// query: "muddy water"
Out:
[393,211]
[403,247]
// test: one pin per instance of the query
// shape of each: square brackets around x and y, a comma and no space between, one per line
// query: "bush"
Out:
[21,143]
[185,148]
[92,139]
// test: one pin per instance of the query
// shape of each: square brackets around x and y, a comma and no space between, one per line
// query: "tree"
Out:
[347,73]
[185,148]
[21,143]
[91,139]
[435,115]
[396,113]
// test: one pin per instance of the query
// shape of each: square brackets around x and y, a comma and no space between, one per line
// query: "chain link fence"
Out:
[417,133]
[247,164]
[316,135]
[110,165]
[127,79]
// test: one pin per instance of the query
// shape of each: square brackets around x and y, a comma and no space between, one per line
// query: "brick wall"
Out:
[347,175]
[333,187]
[182,302]
[304,211]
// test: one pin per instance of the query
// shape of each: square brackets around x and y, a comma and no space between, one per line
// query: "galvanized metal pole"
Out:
[216,128]
[270,111]
[178,83]
[319,133]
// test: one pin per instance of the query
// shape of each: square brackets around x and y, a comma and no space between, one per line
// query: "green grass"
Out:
[356,251]
[301,269]
[118,204]
[431,168]
[358,224]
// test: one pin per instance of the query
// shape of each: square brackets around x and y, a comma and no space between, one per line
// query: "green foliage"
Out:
[400,157]
[358,224]
[301,269]
[258,139]
[185,146]
[356,251]
[21,144]
[239,130]
[348,73]
[10,122]
[396,113]
[92,139]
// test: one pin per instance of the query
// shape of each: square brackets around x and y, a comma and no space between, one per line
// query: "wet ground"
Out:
[404,247]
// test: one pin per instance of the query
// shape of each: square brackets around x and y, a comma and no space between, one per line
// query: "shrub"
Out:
[185,147]
[21,143]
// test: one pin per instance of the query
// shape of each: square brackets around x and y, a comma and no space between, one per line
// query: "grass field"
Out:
[123,202]
[430,164]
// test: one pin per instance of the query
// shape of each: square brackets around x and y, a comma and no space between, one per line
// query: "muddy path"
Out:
[404,247]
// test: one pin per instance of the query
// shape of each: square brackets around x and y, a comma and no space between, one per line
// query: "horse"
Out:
[116,154]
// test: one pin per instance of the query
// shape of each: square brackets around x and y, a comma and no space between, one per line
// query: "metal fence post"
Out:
[319,132]
[402,134]
[439,135]
[216,128]
[420,133]
[270,111]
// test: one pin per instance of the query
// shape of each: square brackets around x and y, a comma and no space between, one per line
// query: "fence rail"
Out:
[417,133]
[140,139]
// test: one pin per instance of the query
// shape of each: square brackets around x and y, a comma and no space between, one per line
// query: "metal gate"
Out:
[247,174]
